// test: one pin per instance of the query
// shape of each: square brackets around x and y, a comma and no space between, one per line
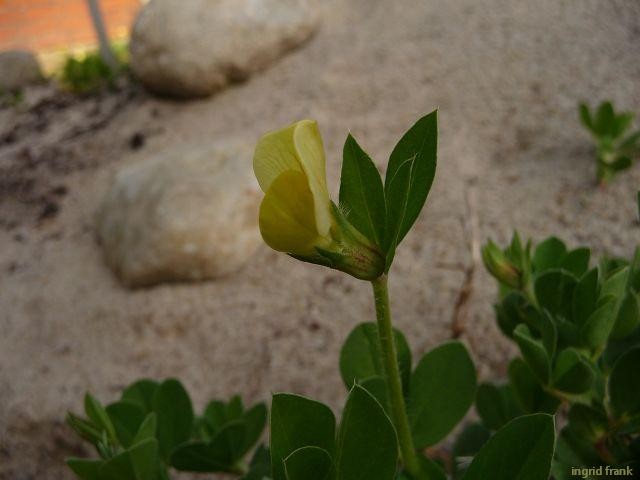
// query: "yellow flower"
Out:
[296,214]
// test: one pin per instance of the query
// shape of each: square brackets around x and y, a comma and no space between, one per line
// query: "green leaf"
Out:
[471,440]
[260,466]
[467,444]
[397,198]
[624,384]
[615,283]
[633,281]
[496,405]
[605,119]
[628,316]
[215,414]
[443,387]
[361,358]
[367,446]
[521,450]
[432,469]
[585,297]
[147,429]
[554,291]
[141,393]
[362,193]
[572,374]
[622,123]
[597,328]
[140,462]
[629,145]
[308,463]
[235,408]
[126,418]
[587,422]
[98,415]
[85,469]
[230,442]
[616,348]
[621,162]
[568,333]
[84,428]
[218,413]
[548,332]
[527,389]
[218,455]
[576,261]
[585,116]
[377,387]
[144,459]
[255,420]
[511,312]
[175,416]
[572,450]
[609,266]
[410,173]
[298,422]
[549,254]
[533,353]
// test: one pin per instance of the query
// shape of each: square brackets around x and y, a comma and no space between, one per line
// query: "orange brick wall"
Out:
[45,25]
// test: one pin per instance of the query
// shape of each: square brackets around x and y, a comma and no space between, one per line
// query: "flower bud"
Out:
[500,266]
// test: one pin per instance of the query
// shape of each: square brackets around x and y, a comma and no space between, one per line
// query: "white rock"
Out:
[196,47]
[18,68]
[189,214]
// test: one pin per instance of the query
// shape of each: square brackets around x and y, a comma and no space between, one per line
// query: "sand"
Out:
[506,76]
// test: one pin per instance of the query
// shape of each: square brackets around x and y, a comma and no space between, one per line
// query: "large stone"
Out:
[196,47]
[189,214]
[18,68]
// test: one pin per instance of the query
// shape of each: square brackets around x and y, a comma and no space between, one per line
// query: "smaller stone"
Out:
[18,68]
[197,47]
[188,214]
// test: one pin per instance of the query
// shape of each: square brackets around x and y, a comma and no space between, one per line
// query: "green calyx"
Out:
[349,251]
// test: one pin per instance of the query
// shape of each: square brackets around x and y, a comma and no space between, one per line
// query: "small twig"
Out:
[470,225]
[101,33]
[460,309]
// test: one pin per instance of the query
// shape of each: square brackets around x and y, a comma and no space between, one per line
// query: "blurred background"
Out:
[53,28]
[128,209]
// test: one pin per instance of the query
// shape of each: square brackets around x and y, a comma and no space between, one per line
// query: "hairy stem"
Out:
[393,381]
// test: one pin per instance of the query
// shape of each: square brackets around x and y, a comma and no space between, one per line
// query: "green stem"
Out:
[393,381]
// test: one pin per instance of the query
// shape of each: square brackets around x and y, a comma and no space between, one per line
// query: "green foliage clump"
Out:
[89,72]
[615,149]
[578,332]
[153,427]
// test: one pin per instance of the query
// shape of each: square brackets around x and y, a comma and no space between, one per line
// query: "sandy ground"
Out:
[506,75]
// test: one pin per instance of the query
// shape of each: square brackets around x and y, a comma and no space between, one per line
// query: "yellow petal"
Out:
[297,147]
[275,154]
[287,215]
[308,144]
